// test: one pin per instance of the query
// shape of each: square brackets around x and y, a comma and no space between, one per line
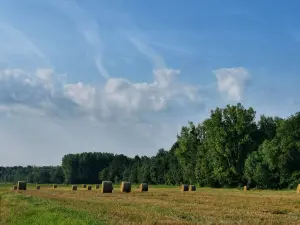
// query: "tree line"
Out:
[32,174]
[231,148]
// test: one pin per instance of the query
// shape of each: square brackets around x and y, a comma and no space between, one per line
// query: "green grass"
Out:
[22,209]
[161,205]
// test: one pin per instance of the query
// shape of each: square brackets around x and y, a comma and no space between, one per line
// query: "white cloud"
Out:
[232,82]
[118,98]
[47,118]
[81,94]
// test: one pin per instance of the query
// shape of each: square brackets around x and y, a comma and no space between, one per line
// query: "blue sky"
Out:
[123,76]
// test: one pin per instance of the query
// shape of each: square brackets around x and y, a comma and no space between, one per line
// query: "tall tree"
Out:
[57,176]
[188,142]
[282,153]
[230,138]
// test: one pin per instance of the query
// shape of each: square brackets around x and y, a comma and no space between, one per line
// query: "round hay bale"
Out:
[74,187]
[22,185]
[125,186]
[97,186]
[15,187]
[192,188]
[89,187]
[143,187]
[84,186]
[246,188]
[107,187]
[54,186]
[298,189]
[184,187]
[37,187]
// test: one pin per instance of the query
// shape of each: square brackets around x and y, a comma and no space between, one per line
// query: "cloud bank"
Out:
[47,93]
[44,117]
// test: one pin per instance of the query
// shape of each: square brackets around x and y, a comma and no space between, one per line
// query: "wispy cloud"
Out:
[14,42]
[90,30]
[157,60]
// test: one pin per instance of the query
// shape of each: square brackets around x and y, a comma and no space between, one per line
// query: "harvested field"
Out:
[158,206]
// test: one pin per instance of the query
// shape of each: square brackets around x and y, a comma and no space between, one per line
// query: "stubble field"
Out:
[161,205]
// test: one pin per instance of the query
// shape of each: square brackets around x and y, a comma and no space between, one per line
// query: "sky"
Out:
[124,76]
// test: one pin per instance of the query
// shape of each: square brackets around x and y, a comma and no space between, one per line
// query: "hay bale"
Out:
[184,187]
[89,187]
[298,189]
[192,188]
[84,186]
[54,186]
[125,186]
[74,187]
[22,185]
[143,187]
[107,187]
[37,187]
[15,187]
[97,186]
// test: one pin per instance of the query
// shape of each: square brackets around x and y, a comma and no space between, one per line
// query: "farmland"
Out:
[161,205]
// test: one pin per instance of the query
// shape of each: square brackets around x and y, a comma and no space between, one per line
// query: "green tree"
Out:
[188,142]
[57,176]
[282,153]
[257,171]
[230,137]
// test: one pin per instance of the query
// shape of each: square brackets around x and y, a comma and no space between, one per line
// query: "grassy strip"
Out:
[21,209]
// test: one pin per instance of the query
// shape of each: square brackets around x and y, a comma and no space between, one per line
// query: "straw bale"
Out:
[143,187]
[22,185]
[192,188]
[107,187]
[125,187]
[184,187]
